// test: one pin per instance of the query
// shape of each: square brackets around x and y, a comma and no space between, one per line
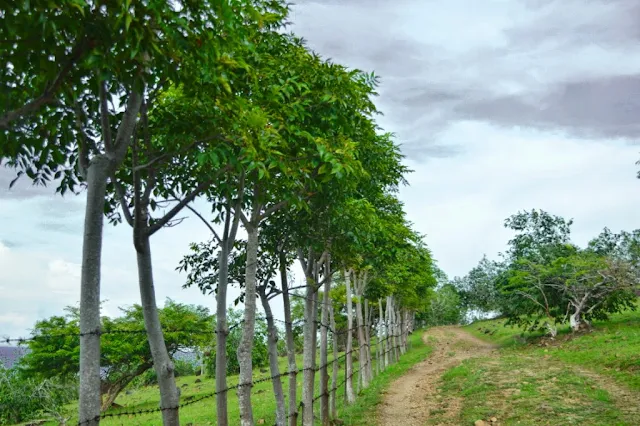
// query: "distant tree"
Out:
[445,307]
[125,350]
[549,280]
[478,289]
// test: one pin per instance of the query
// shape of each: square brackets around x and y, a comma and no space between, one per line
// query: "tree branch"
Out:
[236,217]
[104,117]
[123,200]
[126,127]
[169,155]
[176,209]
[268,212]
[47,96]
[208,225]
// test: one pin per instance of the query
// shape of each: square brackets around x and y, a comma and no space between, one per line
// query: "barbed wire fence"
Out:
[392,341]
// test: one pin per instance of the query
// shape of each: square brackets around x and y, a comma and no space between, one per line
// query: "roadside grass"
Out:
[202,413]
[518,389]
[610,348]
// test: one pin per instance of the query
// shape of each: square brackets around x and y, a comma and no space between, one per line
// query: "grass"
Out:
[203,413]
[529,390]
[611,348]
[589,378]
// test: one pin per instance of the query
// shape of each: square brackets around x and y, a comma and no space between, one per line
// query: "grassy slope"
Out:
[592,378]
[203,412]
[611,348]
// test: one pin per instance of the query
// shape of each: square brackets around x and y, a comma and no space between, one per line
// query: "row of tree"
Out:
[150,105]
[544,280]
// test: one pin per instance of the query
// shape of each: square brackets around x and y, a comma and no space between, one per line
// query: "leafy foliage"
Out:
[546,280]
[259,354]
[23,398]
[125,351]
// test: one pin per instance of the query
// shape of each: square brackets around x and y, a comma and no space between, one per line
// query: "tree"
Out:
[445,307]
[68,63]
[537,231]
[548,280]
[478,289]
[125,351]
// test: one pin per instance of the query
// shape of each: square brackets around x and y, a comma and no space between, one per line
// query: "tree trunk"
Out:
[110,391]
[367,338]
[403,346]
[272,342]
[575,319]
[291,349]
[109,395]
[364,377]
[384,333]
[222,331]
[169,397]
[389,329]
[248,328]
[334,373]
[308,381]
[324,343]
[380,349]
[351,397]
[89,404]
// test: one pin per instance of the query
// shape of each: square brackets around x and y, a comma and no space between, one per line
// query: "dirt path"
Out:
[409,400]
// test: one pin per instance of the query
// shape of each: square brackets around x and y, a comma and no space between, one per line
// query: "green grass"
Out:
[611,348]
[204,412]
[587,378]
[529,390]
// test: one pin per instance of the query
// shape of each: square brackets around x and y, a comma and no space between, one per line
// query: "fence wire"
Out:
[188,401]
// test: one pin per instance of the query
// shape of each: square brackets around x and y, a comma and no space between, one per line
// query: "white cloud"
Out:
[461,202]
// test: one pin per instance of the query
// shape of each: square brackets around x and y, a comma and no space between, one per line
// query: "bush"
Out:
[260,354]
[185,368]
[23,399]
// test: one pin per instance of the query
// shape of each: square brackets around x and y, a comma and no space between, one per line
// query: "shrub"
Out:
[23,399]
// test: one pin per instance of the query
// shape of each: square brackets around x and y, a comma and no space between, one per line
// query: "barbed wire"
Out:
[227,389]
[315,369]
[100,332]
[393,331]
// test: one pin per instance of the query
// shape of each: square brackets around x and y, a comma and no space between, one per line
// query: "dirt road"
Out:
[411,398]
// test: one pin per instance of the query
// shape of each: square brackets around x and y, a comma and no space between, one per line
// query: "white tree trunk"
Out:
[381,342]
[291,349]
[388,354]
[351,397]
[272,344]
[169,397]
[575,319]
[334,374]
[98,172]
[367,338]
[222,331]
[90,398]
[309,352]
[248,327]
[362,342]
[324,350]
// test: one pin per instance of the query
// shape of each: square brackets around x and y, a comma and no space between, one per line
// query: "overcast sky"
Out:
[499,105]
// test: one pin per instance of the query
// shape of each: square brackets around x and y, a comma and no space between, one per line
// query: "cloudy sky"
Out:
[500,105]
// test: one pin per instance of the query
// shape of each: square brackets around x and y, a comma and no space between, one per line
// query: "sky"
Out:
[499,106]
